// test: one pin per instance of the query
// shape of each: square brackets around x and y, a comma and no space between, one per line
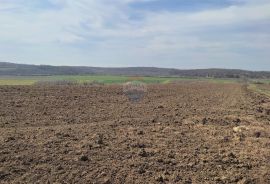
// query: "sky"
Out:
[184,34]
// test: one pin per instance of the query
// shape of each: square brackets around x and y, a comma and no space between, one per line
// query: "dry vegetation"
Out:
[190,132]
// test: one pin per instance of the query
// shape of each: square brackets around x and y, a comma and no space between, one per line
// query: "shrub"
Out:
[57,83]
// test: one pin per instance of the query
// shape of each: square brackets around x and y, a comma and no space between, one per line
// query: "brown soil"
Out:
[179,133]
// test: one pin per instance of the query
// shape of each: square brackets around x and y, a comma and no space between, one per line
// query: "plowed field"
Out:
[191,132]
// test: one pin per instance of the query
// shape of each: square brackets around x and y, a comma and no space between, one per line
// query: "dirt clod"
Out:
[257,134]
[160,178]
[141,170]
[143,153]
[84,158]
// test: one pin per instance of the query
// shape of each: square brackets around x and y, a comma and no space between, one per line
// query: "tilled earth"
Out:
[192,132]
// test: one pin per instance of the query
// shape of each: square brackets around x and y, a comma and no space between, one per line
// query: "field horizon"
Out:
[13,69]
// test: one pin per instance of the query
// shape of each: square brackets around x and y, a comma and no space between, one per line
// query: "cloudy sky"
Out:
[162,33]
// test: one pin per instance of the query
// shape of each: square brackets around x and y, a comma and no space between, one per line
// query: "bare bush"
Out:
[258,82]
[56,83]
[93,83]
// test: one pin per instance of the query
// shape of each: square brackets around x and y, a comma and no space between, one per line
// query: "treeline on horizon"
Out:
[12,69]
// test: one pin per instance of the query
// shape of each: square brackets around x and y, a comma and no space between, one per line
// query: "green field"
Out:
[260,88]
[104,79]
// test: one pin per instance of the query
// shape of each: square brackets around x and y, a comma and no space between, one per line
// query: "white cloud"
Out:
[106,29]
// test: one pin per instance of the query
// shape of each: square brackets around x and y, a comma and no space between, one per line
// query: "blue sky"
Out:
[123,33]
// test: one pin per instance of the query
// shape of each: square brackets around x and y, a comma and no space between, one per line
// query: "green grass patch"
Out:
[17,82]
[105,79]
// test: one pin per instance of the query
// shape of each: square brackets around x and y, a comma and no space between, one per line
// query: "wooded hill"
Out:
[12,69]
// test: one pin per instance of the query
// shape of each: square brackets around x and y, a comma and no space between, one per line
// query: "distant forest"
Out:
[12,69]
